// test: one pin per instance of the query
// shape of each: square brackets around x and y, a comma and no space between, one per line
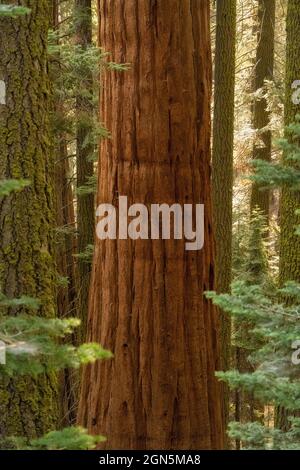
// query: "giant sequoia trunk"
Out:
[27,406]
[146,299]
[264,65]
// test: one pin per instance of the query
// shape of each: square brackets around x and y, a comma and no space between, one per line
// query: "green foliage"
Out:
[62,281]
[256,262]
[74,67]
[11,185]
[72,438]
[34,345]
[286,173]
[267,317]
[251,260]
[89,187]
[256,436]
[274,175]
[12,10]
[274,327]
[23,301]
[86,255]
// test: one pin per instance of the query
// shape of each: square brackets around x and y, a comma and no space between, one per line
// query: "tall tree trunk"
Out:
[27,406]
[222,163]
[65,240]
[289,266]
[146,302]
[290,200]
[66,295]
[84,164]
[250,408]
[261,117]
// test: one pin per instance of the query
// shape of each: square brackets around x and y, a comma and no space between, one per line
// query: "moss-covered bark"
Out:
[222,162]
[27,406]
[249,408]
[290,200]
[289,266]
[264,65]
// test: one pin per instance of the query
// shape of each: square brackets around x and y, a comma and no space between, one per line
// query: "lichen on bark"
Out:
[27,405]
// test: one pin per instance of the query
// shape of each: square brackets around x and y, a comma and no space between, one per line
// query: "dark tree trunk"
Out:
[222,164]
[84,163]
[289,266]
[264,65]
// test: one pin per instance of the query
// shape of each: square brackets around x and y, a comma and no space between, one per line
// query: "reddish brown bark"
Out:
[146,300]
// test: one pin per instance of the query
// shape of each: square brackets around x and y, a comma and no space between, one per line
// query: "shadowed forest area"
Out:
[150,225]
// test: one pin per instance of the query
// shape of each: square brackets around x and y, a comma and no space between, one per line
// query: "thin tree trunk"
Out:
[28,406]
[290,200]
[65,240]
[250,408]
[66,295]
[222,164]
[84,163]
[264,66]
[146,301]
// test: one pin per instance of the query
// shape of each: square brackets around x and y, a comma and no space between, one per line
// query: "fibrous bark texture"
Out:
[146,300]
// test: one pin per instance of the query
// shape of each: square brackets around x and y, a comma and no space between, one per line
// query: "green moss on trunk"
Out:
[290,200]
[27,406]
[289,267]
[222,163]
